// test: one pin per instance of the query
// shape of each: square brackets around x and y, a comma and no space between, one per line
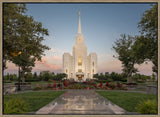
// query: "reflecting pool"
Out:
[81,102]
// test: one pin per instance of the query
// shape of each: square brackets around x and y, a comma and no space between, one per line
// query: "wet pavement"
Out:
[81,102]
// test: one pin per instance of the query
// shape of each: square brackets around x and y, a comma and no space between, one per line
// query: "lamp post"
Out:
[19,78]
[18,54]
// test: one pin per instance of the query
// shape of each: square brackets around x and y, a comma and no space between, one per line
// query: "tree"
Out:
[46,75]
[35,75]
[101,76]
[22,38]
[107,75]
[25,63]
[28,75]
[123,48]
[6,77]
[53,73]
[10,77]
[59,76]
[153,77]
[11,12]
[146,45]
[141,78]
[96,75]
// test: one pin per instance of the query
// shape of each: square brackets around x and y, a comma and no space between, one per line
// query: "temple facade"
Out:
[79,66]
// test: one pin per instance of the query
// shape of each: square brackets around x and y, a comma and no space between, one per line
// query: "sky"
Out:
[101,26]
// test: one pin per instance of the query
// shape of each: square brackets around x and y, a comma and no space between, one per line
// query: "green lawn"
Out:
[33,83]
[148,83]
[126,100]
[41,83]
[36,100]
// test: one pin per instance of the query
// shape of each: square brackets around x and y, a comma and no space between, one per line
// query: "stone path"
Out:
[81,102]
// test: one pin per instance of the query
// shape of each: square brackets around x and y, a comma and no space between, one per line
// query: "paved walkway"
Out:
[81,102]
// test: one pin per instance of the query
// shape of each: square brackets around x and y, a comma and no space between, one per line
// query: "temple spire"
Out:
[79,27]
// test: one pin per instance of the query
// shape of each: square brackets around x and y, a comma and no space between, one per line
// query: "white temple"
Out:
[79,66]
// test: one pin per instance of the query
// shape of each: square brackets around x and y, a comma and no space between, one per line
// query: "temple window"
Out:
[79,61]
[79,70]
[93,63]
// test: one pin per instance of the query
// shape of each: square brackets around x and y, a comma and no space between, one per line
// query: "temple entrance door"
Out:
[79,77]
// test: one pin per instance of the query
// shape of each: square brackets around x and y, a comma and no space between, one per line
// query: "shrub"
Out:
[50,80]
[7,81]
[110,80]
[15,106]
[123,88]
[100,84]
[54,85]
[65,83]
[37,88]
[103,81]
[112,86]
[91,82]
[140,78]
[59,85]
[49,86]
[32,80]
[91,87]
[147,107]
[107,83]
[95,85]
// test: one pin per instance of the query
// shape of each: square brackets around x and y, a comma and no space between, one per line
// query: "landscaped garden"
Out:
[81,85]
[28,102]
[113,86]
[108,81]
[132,101]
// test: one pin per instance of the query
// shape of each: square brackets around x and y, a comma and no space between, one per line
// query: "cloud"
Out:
[145,68]
[57,58]
[56,51]
[43,60]
[48,67]
[52,50]
[116,66]
[11,65]
[11,68]
[53,64]
[110,66]
[114,62]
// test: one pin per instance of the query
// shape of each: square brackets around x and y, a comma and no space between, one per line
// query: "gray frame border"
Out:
[95,1]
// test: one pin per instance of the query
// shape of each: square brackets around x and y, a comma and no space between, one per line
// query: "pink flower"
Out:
[108,88]
[54,85]
[37,85]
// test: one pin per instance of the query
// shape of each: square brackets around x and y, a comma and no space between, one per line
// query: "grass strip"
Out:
[126,100]
[36,100]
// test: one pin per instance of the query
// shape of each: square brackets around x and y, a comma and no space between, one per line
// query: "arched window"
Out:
[66,70]
[93,70]
[79,61]
[93,63]
[66,64]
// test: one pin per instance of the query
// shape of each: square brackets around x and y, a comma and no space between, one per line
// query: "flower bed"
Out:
[84,85]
